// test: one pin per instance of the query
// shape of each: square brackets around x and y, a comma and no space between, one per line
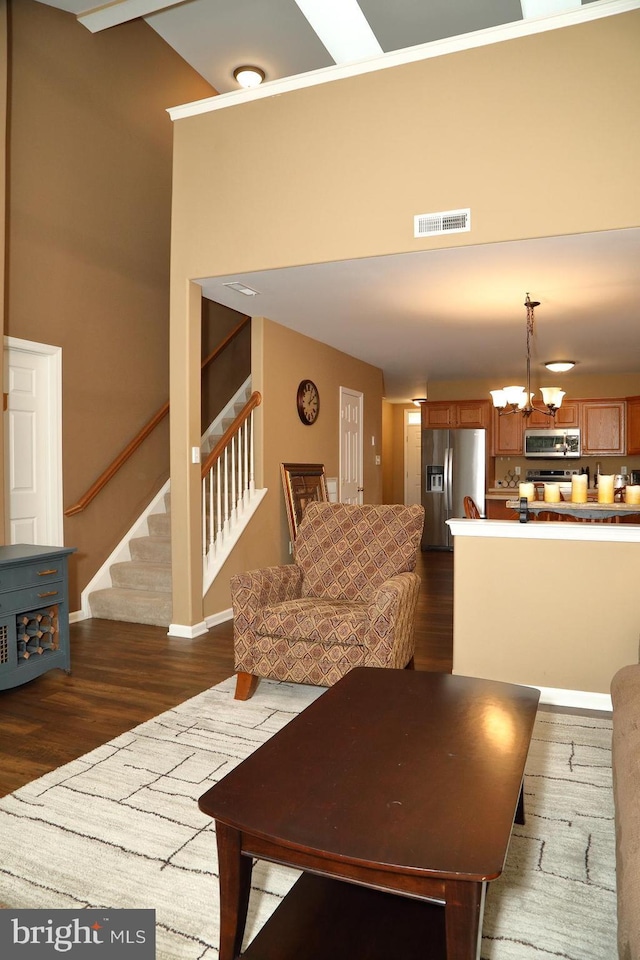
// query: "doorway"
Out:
[33,443]
[351,487]
[412,457]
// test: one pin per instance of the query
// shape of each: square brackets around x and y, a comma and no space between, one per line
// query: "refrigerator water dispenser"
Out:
[435,479]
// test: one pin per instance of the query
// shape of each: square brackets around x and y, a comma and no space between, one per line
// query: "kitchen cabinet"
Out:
[567,416]
[34,612]
[498,509]
[633,425]
[603,427]
[507,435]
[456,413]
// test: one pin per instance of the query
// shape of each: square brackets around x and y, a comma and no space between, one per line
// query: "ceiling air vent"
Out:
[449,221]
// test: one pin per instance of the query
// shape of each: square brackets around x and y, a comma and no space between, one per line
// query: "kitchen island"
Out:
[591,510]
[552,605]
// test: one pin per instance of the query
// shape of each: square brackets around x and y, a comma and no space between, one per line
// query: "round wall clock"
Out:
[308,402]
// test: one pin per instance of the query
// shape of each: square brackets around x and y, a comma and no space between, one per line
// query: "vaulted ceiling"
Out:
[407,314]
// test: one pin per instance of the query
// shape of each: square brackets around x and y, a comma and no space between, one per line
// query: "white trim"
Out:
[212,563]
[546,530]
[423,51]
[101,580]
[186,632]
[55,518]
[228,412]
[121,11]
[77,616]
[580,699]
[214,619]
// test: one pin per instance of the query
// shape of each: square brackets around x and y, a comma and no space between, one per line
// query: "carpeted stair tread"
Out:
[142,575]
[151,549]
[159,525]
[132,606]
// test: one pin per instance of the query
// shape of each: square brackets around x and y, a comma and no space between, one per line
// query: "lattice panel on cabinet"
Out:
[38,632]
[4,644]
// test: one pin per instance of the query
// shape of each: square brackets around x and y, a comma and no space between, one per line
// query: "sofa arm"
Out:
[390,640]
[255,589]
[625,695]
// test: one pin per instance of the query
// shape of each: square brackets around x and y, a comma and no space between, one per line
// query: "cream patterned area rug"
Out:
[120,827]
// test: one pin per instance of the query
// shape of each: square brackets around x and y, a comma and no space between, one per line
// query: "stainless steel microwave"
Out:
[552,443]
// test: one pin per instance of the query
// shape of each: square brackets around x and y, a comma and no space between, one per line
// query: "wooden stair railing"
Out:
[148,428]
[228,483]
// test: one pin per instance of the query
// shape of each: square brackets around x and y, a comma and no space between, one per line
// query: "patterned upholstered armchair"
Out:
[348,600]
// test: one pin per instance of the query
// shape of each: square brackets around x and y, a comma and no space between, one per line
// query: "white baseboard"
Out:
[187,631]
[77,616]
[581,699]
[215,618]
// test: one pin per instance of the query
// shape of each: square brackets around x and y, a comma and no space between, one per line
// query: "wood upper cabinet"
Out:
[507,435]
[633,425]
[508,430]
[456,413]
[567,416]
[603,427]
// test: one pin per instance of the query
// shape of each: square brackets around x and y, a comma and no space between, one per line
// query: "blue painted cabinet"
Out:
[34,612]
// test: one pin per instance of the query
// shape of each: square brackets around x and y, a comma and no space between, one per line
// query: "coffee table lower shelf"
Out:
[323,919]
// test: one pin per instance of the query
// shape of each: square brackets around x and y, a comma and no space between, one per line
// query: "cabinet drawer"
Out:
[32,598]
[28,574]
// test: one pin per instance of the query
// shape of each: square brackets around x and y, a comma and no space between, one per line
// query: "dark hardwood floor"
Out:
[125,673]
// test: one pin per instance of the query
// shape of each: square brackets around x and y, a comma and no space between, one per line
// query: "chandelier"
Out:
[518,399]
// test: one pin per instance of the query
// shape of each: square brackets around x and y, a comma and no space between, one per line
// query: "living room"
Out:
[305,139]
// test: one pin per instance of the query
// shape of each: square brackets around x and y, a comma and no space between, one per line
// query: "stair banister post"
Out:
[226,490]
[234,511]
[219,497]
[212,516]
[252,485]
[204,517]
[245,487]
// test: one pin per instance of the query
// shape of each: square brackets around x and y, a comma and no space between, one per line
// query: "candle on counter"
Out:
[552,493]
[632,493]
[605,488]
[527,490]
[579,488]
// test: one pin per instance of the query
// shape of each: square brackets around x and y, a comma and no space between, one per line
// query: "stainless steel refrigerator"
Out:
[453,467]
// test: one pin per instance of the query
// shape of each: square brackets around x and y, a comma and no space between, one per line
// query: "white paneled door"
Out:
[351,484]
[33,443]
[412,457]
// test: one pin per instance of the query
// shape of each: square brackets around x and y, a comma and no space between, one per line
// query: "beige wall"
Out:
[4,71]
[282,359]
[549,613]
[395,449]
[339,170]
[226,374]
[88,237]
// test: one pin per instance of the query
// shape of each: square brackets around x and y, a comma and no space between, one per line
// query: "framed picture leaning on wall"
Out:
[302,483]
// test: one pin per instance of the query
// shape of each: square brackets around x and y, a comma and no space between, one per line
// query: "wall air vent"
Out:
[449,221]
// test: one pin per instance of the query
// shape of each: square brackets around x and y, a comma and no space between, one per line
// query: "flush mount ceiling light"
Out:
[560,366]
[241,288]
[249,76]
[518,399]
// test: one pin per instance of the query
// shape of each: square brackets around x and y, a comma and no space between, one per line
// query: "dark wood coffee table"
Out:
[395,792]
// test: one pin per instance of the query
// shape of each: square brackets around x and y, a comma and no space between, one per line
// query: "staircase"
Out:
[139,571]
[141,591]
